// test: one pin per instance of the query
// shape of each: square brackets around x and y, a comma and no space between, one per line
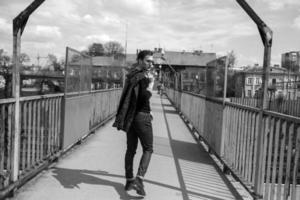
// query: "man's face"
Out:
[147,62]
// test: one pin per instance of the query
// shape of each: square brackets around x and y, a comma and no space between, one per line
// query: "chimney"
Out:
[198,52]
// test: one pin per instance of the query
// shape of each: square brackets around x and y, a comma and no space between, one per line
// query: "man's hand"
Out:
[151,78]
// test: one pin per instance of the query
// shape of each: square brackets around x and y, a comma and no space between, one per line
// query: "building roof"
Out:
[184,58]
[130,59]
[260,69]
[273,70]
[168,57]
[107,61]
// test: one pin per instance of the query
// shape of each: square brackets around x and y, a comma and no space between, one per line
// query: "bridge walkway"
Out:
[180,168]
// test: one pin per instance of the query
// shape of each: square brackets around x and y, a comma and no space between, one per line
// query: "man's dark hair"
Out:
[142,54]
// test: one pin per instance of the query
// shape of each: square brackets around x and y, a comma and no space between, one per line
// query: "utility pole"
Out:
[288,80]
[225,79]
[266,36]
[38,59]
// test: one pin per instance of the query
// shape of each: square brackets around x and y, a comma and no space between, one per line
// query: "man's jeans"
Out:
[141,129]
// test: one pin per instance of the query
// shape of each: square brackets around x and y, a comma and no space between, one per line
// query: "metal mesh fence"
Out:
[78,72]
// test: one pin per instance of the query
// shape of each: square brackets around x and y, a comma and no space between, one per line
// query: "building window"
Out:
[193,75]
[250,81]
[249,93]
[273,81]
[185,75]
[256,93]
[185,88]
[202,76]
[257,81]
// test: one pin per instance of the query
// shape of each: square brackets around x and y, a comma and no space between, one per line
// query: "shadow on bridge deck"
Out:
[180,168]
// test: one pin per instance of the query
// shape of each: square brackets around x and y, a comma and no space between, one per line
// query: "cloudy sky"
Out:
[209,25]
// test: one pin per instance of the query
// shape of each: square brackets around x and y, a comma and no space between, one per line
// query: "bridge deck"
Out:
[180,168]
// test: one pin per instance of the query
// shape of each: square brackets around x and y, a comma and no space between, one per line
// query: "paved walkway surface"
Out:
[180,168]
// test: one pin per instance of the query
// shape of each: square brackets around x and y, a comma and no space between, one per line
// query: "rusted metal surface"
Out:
[19,24]
[236,142]
[287,107]
[42,126]
[83,113]
[40,121]
[6,142]
[266,36]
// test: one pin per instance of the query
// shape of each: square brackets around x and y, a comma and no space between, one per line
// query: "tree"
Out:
[96,49]
[6,76]
[231,59]
[113,48]
[220,75]
[24,58]
[53,62]
[4,59]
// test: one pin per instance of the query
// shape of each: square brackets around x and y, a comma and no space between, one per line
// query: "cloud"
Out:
[29,45]
[204,26]
[243,29]
[297,22]
[133,7]
[173,24]
[209,2]
[5,26]
[280,4]
[61,10]
[246,59]
[42,32]
[110,19]
[45,14]
[88,18]
[48,31]
[97,38]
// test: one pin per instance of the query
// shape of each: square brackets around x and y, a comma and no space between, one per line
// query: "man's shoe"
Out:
[129,185]
[139,186]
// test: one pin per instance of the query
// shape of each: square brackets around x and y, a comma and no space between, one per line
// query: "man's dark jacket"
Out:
[127,104]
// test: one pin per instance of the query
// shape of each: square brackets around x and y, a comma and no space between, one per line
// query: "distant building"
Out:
[291,61]
[107,70]
[217,76]
[249,82]
[190,67]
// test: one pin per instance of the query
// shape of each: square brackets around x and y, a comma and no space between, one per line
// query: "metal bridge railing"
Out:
[49,125]
[231,132]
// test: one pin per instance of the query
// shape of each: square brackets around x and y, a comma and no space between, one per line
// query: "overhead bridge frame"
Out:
[19,24]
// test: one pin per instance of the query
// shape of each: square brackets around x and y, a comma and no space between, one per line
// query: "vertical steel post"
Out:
[19,24]
[266,36]
[16,95]
[259,176]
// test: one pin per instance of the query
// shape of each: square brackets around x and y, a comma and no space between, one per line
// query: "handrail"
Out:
[10,100]
[74,94]
[232,132]
[42,133]
[266,112]
[46,96]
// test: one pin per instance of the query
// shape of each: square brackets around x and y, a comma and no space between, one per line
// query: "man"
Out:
[134,117]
